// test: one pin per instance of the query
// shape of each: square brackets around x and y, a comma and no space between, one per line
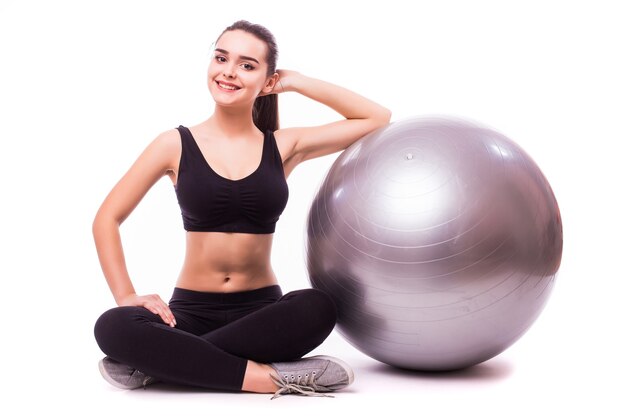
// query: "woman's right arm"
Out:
[158,158]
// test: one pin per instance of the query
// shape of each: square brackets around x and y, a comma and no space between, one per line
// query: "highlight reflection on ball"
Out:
[439,241]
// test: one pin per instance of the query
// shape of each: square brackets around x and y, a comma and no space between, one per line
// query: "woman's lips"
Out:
[230,90]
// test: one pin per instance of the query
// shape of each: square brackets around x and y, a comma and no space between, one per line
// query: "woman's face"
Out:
[237,72]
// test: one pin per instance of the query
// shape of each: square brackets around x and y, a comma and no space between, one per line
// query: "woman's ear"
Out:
[270,84]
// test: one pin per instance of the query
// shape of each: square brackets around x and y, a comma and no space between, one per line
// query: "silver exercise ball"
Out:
[439,241]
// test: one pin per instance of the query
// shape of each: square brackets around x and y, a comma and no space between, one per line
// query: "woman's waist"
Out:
[206,278]
[226,262]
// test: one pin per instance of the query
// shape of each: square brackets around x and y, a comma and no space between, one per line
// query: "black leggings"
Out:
[217,333]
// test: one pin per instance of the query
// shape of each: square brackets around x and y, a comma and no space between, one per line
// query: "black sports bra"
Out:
[212,203]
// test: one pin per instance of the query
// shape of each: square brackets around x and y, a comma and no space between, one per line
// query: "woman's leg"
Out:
[138,338]
[285,330]
[264,328]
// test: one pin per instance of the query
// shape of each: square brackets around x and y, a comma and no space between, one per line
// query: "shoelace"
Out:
[302,387]
[147,380]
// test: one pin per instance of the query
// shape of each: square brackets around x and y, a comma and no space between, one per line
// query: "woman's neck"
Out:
[233,122]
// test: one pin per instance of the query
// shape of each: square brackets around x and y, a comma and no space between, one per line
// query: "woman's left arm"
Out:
[362,116]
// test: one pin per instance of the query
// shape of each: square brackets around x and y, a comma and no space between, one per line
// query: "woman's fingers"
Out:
[157,306]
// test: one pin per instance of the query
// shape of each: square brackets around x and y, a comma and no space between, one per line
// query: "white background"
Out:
[85,85]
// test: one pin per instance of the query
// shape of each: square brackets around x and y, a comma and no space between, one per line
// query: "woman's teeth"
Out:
[227,87]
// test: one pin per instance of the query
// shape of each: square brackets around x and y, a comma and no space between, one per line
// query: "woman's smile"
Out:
[227,86]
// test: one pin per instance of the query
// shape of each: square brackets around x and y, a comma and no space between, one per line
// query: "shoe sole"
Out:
[108,378]
[341,363]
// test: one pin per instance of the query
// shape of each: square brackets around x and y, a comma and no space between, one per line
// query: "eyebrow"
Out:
[224,51]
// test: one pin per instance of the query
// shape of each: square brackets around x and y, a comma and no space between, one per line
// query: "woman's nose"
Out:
[229,71]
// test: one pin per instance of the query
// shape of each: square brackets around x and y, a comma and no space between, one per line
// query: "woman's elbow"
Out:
[382,117]
[103,221]
[386,115]
[98,225]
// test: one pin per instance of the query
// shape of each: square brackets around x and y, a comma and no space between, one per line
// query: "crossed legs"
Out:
[228,351]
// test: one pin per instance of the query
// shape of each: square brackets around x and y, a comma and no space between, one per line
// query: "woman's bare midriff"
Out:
[227,262]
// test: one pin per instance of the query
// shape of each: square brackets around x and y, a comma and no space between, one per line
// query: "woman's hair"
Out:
[265,110]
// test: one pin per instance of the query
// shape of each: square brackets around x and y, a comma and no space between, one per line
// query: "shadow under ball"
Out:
[439,241]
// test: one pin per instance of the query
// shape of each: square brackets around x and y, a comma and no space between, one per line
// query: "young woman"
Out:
[228,326]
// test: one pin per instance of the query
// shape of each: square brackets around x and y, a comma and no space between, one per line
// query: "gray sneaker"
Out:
[312,376]
[123,376]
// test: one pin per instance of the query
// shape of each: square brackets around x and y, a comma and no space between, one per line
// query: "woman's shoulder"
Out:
[169,138]
[164,147]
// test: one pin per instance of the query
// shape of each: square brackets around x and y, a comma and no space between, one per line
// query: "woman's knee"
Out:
[316,303]
[114,327]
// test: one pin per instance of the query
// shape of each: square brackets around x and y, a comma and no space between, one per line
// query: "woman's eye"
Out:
[221,58]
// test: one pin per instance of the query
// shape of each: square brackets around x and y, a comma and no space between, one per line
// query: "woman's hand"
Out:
[285,82]
[152,302]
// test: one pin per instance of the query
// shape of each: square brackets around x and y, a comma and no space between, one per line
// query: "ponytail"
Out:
[265,113]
